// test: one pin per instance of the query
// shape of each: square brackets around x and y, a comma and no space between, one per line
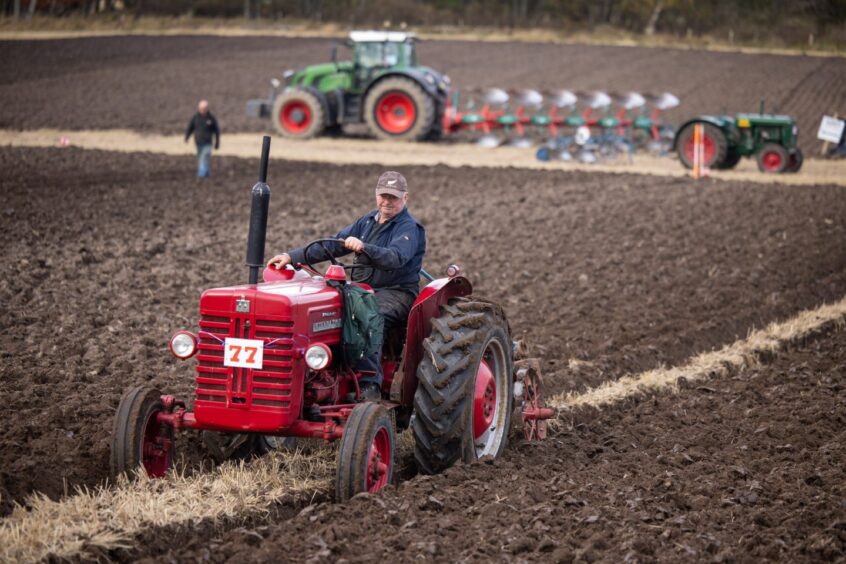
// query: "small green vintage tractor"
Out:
[383,86]
[771,139]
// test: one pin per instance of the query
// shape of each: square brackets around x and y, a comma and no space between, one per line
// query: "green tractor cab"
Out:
[771,139]
[383,86]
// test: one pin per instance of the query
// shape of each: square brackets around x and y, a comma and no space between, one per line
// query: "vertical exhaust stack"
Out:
[258,216]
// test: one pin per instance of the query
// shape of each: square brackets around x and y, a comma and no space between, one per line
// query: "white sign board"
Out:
[243,353]
[831,129]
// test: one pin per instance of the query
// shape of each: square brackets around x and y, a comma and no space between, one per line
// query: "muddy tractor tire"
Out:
[298,114]
[243,446]
[795,160]
[772,158]
[399,109]
[139,442]
[715,146]
[366,454]
[464,397]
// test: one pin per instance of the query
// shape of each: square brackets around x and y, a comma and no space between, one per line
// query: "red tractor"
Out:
[270,365]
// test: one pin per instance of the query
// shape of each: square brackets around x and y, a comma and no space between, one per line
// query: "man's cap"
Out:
[392,183]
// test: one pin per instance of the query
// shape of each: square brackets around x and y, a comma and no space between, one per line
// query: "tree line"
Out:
[791,21]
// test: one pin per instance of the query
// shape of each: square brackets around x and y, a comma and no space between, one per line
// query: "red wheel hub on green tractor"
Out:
[270,364]
[296,116]
[396,112]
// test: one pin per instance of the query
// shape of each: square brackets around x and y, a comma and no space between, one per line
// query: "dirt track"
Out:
[153,83]
[365,151]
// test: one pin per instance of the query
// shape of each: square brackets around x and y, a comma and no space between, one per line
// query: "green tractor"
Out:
[770,138]
[383,86]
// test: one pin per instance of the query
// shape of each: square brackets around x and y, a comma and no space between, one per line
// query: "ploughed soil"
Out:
[742,469]
[153,83]
[106,254]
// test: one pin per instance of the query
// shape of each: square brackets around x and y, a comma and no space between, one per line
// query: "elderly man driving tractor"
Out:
[389,245]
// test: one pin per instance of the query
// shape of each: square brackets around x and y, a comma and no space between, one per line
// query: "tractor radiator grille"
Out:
[268,388]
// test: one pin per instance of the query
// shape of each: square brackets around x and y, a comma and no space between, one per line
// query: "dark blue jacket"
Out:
[396,251]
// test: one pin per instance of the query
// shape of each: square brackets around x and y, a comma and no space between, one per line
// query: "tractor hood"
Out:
[304,305]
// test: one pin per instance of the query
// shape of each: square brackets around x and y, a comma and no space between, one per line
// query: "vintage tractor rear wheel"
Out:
[139,441]
[715,146]
[772,158]
[794,161]
[298,113]
[399,108]
[463,402]
[366,454]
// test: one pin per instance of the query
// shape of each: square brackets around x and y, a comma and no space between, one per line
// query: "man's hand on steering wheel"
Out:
[354,244]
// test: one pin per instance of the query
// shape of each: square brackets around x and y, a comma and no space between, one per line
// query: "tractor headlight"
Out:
[183,345]
[318,356]
[430,79]
[795,130]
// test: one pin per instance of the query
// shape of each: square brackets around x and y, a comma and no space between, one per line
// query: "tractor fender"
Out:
[327,111]
[426,307]
[721,122]
[416,76]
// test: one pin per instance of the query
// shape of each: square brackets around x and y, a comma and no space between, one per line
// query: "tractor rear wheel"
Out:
[243,446]
[794,162]
[463,402]
[398,108]
[298,114]
[714,146]
[366,454]
[772,158]
[139,441]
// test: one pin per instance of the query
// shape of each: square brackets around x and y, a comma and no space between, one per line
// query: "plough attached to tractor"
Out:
[567,124]
[385,88]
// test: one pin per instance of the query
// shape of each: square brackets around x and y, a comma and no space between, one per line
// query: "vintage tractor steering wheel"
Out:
[322,244]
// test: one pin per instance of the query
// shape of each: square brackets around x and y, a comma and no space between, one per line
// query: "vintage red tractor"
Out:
[270,365]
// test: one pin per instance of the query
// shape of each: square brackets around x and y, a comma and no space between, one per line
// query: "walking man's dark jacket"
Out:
[396,247]
[203,127]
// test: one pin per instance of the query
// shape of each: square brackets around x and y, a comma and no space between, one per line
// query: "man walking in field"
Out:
[203,126]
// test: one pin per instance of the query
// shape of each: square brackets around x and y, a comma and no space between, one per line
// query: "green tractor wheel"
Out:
[714,142]
[773,158]
[398,108]
[298,113]
[794,162]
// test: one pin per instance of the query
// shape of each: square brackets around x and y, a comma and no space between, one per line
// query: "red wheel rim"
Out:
[378,460]
[396,112]
[709,149]
[772,161]
[155,450]
[484,406]
[295,116]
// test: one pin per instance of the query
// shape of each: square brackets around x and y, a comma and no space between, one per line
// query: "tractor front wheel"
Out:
[398,108]
[714,146]
[139,441]
[773,158]
[366,454]
[794,162]
[464,397]
[298,114]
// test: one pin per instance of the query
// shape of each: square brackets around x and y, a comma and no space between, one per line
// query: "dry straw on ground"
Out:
[738,355]
[109,518]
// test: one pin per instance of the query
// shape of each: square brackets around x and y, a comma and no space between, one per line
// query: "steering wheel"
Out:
[322,244]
